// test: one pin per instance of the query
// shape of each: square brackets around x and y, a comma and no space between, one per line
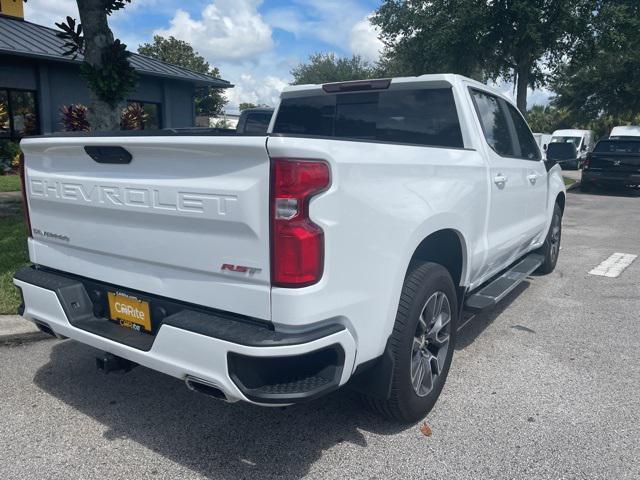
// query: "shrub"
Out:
[133,117]
[74,118]
[9,156]
[4,118]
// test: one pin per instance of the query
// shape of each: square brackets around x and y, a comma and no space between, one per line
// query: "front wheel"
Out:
[550,250]
[422,343]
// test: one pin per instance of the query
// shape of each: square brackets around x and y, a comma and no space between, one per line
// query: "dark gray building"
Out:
[36,79]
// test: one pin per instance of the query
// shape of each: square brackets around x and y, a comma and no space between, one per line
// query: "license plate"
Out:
[129,311]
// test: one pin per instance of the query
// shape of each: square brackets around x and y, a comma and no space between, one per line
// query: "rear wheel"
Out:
[421,343]
[550,250]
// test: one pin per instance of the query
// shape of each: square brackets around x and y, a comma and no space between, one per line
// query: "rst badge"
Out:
[229,267]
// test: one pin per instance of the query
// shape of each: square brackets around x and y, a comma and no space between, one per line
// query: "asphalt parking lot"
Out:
[547,386]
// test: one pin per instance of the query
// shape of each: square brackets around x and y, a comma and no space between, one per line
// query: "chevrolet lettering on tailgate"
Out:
[115,195]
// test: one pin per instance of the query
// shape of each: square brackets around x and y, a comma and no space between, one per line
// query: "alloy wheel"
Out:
[556,234]
[430,343]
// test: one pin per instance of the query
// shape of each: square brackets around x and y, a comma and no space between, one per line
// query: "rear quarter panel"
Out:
[383,201]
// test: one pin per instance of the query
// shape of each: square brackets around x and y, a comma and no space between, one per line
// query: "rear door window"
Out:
[312,115]
[420,117]
[528,147]
[257,123]
[494,123]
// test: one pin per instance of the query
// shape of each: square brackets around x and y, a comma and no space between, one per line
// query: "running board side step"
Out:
[495,291]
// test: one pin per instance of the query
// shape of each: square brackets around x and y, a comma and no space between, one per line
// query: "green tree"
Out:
[246,105]
[601,81]
[546,119]
[327,67]
[105,67]
[209,101]
[515,40]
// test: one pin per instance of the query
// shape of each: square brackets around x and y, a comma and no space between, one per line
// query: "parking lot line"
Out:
[614,265]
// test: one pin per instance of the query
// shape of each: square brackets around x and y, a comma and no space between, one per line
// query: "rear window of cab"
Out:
[418,117]
[618,146]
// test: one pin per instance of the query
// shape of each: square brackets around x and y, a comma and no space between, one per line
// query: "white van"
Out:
[624,132]
[542,139]
[583,140]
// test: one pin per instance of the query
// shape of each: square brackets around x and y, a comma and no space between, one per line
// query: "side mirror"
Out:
[583,148]
[544,147]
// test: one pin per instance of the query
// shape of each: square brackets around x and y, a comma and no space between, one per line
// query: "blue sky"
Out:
[254,43]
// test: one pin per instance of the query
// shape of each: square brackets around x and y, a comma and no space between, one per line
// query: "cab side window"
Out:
[494,123]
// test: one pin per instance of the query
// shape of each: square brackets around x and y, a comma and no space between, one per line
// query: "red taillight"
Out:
[25,205]
[587,161]
[297,244]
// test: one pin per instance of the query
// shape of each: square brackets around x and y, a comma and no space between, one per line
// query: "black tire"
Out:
[550,250]
[585,187]
[423,281]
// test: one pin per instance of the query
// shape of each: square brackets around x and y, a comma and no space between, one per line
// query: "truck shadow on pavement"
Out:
[214,439]
[478,324]
[609,192]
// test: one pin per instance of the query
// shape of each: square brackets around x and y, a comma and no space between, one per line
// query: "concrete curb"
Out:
[10,196]
[14,328]
[574,185]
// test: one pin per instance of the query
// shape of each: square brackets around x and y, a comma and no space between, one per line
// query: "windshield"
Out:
[561,151]
[618,146]
[574,140]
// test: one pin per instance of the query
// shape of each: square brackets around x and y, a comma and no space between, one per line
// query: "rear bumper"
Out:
[610,178]
[246,361]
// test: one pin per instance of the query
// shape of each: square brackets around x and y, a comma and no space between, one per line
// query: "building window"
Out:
[18,114]
[152,120]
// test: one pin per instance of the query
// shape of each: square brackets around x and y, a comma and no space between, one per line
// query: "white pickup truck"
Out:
[342,246]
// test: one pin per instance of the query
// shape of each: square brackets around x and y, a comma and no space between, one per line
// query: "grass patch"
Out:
[9,183]
[13,254]
[568,181]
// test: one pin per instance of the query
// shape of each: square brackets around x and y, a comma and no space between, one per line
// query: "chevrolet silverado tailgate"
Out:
[186,218]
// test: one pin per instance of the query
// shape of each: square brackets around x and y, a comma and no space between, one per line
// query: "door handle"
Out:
[500,180]
[533,178]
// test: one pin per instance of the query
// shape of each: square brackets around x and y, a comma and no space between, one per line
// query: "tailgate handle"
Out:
[117,155]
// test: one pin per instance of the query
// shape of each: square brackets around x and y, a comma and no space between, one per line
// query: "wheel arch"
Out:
[561,199]
[446,247]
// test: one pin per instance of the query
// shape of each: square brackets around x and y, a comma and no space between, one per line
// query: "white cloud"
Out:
[48,13]
[330,21]
[228,30]
[259,81]
[364,41]
[255,89]
[539,96]
[232,35]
